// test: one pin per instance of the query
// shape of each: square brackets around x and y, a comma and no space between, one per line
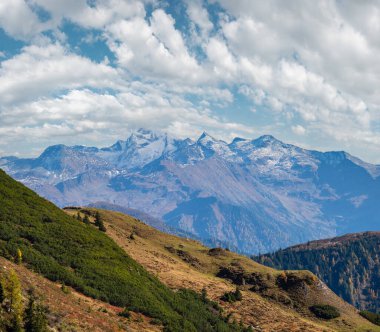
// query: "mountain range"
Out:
[248,195]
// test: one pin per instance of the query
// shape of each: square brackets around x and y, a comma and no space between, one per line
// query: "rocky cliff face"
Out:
[250,195]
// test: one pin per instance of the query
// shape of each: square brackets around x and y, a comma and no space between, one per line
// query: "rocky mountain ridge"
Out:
[250,195]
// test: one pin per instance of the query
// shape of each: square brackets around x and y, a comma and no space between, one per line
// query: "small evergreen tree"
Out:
[99,222]
[13,300]
[204,295]
[79,217]
[35,316]
[232,296]
[86,219]
[2,297]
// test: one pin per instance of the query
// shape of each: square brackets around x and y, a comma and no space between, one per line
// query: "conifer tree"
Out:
[86,220]
[13,300]
[79,217]
[99,222]
[35,316]
[2,297]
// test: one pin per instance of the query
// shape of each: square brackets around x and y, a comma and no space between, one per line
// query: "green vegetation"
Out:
[11,312]
[232,296]
[125,313]
[349,265]
[13,317]
[86,219]
[99,222]
[372,317]
[325,311]
[71,252]
[35,316]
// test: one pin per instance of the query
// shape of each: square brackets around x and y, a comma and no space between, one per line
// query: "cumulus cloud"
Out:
[153,49]
[18,20]
[298,130]
[309,66]
[199,18]
[40,70]
[84,116]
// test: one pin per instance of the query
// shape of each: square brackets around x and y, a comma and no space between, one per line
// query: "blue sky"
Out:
[90,72]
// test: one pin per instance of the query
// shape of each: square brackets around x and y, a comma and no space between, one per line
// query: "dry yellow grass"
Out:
[162,255]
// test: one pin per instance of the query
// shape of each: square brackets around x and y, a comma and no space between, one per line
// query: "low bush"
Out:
[232,296]
[125,313]
[371,316]
[325,311]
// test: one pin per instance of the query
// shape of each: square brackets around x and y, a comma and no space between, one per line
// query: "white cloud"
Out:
[200,17]
[41,70]
[154,50]
[314,63]
[298,130]
[98,15]
[18,20]
[82,116]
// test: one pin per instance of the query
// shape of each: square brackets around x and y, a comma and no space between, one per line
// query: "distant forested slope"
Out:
[349,265]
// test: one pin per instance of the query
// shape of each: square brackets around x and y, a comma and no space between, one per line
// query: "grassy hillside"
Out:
[272,300]
[350,265]
[63,249]
[70,310]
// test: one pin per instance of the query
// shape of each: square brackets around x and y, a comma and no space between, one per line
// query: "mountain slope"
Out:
[249,195]
[266,304]
[79,255]
[69,310]
[350,265]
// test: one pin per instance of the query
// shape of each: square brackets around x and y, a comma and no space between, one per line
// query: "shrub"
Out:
[65,289]
[372,317]
[325,311]
[125,313]
[232,296]
[86,219]
[99,222]
[155,321]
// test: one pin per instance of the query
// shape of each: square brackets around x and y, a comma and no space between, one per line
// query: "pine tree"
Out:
[2,297]
[99,222]
[86,220]
[13,300]
[238,294]
[204,295]
[35,316]
[79,217]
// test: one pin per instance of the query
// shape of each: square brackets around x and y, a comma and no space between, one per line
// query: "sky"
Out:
[90,72]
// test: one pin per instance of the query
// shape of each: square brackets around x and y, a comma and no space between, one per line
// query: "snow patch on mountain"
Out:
[254,195]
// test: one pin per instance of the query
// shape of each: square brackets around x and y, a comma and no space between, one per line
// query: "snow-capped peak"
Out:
[265,140]
[143,135]
[206,139]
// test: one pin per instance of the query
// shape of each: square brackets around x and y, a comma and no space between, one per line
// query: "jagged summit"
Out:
[238,140]
[144,134]
[54,149]
[205,137]
[266,140]
[256,195]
